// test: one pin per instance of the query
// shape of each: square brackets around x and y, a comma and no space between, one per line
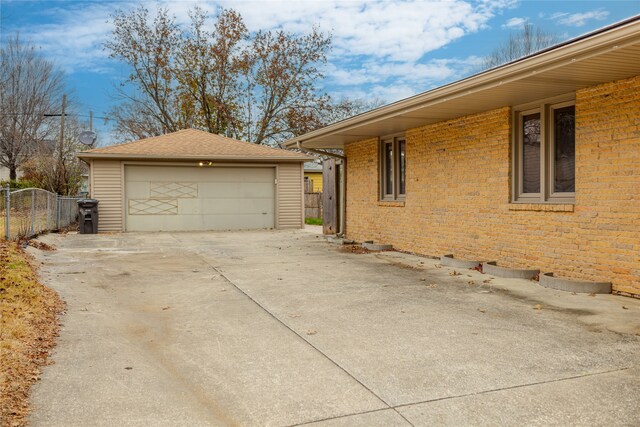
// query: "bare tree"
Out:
[149,48]
[209,66]
[349,107]
[31,87]
[133,121]
[53,165]
[259,87]
[525,42]
[282,78]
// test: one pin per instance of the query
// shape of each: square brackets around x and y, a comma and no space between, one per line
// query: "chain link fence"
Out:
[27,212]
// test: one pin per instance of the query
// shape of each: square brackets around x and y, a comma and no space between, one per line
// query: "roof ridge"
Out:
[191,142]
[252,144]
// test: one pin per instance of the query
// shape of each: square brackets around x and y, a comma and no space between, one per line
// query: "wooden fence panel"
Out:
[313,205]
[329,202]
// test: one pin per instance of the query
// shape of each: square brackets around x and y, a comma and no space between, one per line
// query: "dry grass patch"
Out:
[28,328]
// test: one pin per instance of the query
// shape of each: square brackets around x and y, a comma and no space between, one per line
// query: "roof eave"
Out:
[572,50]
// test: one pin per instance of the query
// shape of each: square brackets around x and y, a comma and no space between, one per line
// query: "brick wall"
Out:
[458,191]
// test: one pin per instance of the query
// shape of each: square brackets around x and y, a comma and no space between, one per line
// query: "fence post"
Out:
[57,211]
[7,217]
[33,212]
[48,217]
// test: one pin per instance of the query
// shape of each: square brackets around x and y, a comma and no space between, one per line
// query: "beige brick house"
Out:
[533,164]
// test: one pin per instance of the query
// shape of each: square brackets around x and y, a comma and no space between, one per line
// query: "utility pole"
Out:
[91,120]
[61,154]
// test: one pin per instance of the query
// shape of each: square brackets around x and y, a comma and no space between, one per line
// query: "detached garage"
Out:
[194,180]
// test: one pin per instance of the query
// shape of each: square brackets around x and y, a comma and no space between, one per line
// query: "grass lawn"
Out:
[28,328]
[313,221]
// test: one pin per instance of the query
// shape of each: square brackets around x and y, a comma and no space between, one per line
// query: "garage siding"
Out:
[106,187]
[290,195]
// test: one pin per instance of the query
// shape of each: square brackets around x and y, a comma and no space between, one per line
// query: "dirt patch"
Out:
[357,249]
[41,245]
[28,329]
[354,249]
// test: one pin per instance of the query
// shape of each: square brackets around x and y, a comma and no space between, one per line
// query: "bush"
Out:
[313,221]
[18,184]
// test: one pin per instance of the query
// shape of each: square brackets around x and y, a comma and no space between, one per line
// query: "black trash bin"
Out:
[88,216]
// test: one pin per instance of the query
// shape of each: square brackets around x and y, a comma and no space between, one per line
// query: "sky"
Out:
[387,50]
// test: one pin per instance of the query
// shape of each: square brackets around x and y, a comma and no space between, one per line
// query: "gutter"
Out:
[320,152]
[343,184]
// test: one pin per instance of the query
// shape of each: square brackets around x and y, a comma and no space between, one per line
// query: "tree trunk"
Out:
[12,173]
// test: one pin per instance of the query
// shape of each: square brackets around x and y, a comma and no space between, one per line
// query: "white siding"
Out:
[290,195]
[106,187]
[4,173]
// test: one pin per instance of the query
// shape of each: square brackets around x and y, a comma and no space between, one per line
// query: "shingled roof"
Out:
[192,144]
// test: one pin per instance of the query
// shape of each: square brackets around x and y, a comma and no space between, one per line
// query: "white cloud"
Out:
[399,80]
[400,30]
[579,19]
[515,23]
[386,40]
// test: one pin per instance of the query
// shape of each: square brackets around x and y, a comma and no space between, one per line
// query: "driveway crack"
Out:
[326,356]
[517,386]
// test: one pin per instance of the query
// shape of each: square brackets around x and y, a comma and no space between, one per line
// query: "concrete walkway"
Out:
[282,328]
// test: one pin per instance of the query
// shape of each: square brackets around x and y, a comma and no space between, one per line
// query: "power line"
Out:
[55,115]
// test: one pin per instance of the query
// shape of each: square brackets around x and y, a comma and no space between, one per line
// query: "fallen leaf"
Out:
[432,285]
[592,294]
[537,307]
[482,310]
[166,308]
[454,273]
[422,279]
[624,307]
[312,332]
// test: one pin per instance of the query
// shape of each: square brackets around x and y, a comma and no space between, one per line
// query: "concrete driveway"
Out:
[282,328]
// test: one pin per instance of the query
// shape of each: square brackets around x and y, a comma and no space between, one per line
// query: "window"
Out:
[393,168]
[544,154]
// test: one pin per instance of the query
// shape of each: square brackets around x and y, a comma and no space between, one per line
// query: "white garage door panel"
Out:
[235,190]
[198,222]
[225,206]
[195,174]
[173,198]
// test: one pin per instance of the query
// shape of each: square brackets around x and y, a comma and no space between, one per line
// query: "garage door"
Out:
[175,198]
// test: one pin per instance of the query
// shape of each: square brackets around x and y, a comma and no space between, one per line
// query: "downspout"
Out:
[343,186]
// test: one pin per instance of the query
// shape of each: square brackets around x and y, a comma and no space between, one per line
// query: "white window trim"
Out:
[382,173]
[547,148]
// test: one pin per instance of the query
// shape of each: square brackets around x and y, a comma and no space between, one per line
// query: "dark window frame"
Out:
[393,169]
[547,193]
